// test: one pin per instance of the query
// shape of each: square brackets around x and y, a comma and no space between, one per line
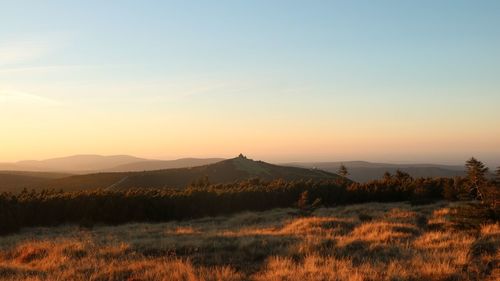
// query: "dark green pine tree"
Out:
[476,175]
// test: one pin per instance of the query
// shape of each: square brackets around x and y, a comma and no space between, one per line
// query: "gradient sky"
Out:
[399,81]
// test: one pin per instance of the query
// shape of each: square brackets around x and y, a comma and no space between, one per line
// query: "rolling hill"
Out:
[226,171]
[151,165]
[122,171]
[89,163]
[73,164]
[15,181]
[362,171]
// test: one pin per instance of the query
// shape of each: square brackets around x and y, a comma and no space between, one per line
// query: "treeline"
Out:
[50,208]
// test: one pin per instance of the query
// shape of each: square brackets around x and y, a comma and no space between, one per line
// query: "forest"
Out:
[200,199]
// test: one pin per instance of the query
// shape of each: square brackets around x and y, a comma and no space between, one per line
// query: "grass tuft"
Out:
[376,241]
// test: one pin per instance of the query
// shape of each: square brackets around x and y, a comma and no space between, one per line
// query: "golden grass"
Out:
[374,241]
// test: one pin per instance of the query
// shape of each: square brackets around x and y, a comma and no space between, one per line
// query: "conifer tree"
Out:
[402,176]
[343,172]
[387,177]
[476,175]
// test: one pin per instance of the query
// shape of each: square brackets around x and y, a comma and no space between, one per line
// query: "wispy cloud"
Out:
[28,48]
[12,97]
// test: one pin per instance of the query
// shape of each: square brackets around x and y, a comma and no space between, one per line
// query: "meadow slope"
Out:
[375,241]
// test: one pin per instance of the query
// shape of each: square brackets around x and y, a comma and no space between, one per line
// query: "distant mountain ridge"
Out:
[81,171]
[90,163]
[362,171]
[75,163]
[14,177]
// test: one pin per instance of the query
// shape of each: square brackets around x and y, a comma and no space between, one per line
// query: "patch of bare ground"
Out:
[393,241]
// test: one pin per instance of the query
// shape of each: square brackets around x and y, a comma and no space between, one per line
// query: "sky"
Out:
[394,81]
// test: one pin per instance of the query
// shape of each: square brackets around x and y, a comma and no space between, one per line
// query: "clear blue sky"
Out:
[278,80]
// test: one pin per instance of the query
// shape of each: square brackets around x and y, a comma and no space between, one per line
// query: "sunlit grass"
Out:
[360,242]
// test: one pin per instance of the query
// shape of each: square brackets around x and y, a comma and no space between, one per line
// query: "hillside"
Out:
[151,165]
[15,181]
[226,171]
[362,171]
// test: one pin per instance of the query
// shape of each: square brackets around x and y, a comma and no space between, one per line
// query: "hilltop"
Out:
[231,170]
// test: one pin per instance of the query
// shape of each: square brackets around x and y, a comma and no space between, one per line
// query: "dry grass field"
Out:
[393,241]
